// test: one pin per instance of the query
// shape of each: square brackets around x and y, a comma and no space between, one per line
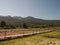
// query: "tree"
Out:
[24,25]
[3,24]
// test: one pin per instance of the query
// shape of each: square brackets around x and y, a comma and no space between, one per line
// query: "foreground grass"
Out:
[36,39]
[54,34]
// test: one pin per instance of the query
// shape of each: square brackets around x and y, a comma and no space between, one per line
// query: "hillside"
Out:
[30,21]
[18,18]
[8,19]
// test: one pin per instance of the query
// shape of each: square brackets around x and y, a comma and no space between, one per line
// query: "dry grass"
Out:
[39,39]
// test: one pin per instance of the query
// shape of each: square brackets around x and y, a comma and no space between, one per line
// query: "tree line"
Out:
[4,25]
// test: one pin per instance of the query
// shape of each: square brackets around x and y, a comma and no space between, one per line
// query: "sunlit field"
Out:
[48,38]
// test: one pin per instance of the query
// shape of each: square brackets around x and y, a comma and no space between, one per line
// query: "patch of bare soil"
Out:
[42,43]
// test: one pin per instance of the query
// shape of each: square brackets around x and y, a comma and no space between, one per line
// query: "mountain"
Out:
[17,17]
[30,21]
[8,19]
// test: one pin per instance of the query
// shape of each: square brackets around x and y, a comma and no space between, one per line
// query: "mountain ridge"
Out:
[29,20]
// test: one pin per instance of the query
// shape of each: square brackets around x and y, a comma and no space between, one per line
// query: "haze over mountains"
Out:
[29,20]
[18,18]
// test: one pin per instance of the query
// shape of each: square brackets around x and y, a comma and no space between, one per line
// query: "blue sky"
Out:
[44,9]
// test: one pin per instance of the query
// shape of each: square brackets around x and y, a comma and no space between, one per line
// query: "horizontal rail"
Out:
[24,34]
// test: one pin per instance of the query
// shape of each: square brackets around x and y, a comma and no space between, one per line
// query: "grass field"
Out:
[39,39]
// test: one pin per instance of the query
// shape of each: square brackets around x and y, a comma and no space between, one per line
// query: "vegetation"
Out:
[24,25]
[29,21]
[54,34]
[39,39]
[3,24]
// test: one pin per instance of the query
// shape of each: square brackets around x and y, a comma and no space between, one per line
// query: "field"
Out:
[48,38]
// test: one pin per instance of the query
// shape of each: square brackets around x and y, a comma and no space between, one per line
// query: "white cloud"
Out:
[6,11]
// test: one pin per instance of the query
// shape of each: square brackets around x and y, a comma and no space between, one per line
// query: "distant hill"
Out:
[30,21]
[8,19]
[17,17]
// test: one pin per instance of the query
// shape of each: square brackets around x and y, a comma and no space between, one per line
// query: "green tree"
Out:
[3,24]
[24,25]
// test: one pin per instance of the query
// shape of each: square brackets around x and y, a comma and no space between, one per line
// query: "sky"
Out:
[43,9]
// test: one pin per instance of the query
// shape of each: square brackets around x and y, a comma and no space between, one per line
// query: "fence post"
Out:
[5,34]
